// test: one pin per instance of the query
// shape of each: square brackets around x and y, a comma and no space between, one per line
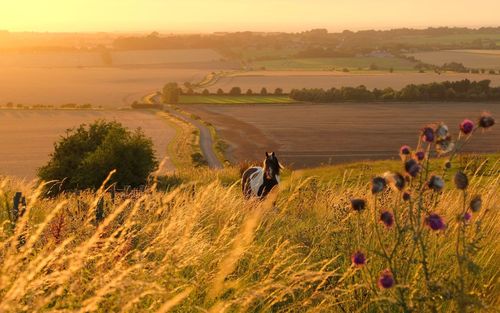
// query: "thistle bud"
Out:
[461,181]
[476,203]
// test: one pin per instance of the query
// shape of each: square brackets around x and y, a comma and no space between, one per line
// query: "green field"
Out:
[446,39]
[351,63]
[225,99]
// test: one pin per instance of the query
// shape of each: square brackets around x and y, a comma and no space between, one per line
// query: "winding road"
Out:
[206,141]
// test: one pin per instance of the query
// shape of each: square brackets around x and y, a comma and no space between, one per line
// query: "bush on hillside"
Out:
[86,155]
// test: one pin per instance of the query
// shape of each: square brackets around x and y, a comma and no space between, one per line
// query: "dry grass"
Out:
[202,247]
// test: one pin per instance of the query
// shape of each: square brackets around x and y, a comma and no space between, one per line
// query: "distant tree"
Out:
[492,72]
[220,92]
[190,91]
[235,91]
[263,92]
[170,94]
[391,70]
[86,155]
[278,91]
[10,105]
[205,92]
[249,92]
[345,70]
[373,67]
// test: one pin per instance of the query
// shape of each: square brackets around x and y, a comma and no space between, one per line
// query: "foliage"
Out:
[463,90]
[86,155]
[171,93]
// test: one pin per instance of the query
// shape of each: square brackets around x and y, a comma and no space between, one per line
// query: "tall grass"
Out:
[201,247]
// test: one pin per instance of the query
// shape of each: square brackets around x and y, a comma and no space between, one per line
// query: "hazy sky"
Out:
[237,15]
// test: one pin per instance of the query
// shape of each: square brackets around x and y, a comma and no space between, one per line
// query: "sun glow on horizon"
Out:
[238,15]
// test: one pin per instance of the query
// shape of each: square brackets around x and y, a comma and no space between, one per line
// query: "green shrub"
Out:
[86,155]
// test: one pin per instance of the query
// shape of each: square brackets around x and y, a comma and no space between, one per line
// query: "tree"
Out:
[235,91]
[171,93]
[86,155]
[205,92]
[249,92]
[278,91]
[220,92]
[263,91]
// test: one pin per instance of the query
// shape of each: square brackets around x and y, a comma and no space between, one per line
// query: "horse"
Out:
[258,181]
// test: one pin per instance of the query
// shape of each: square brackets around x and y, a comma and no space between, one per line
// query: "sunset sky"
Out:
[238,15]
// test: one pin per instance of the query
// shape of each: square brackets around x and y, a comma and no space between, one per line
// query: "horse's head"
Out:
[272,166]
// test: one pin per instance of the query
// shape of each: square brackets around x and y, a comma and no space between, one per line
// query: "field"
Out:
[60,78]
[27,136]
[353,64]
[480,59]
[306,135]
[288,80]
[203,247]
[449,39]
[225,99]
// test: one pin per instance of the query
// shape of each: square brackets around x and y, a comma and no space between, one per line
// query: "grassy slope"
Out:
[203,246]
[226,99]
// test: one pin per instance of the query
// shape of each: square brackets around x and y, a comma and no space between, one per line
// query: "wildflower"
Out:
[405,150]
[358,258]
[420,155]
[358,204]
[386,280]
[378,184]
[441,131]
[461,180]
[475,203]
[428,134]
[486,120]
[467,216]
[412,167]
[467,126]
[387,218]
[395,180]
[435,222]
[436,183]
[444,145]
[406,196]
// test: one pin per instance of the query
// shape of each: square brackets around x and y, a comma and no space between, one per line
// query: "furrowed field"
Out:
[202,247]
[27,136]
[480,59]
[306,135]
[288,80]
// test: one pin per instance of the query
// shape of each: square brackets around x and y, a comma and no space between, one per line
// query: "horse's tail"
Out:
[245,182]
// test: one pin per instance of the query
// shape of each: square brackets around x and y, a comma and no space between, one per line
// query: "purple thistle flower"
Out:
[436,183]
[358,258]
[405,150]
[420,155]
[467,126]
[412,167]
[428,134]
[461,181]
[387,218]
[378,184]
[395,180]
[467,216]
[435,222]
[385,280]
[486,120]
[358,204]
[406,196]
[475,203]
[441,131]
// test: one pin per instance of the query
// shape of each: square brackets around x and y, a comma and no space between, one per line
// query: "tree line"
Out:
[464,90]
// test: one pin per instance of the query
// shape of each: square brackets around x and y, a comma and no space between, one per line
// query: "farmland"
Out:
[80,77]
[306,135]
[482,59]
[27,136]
[352,64]
[326,79]
[227,99]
